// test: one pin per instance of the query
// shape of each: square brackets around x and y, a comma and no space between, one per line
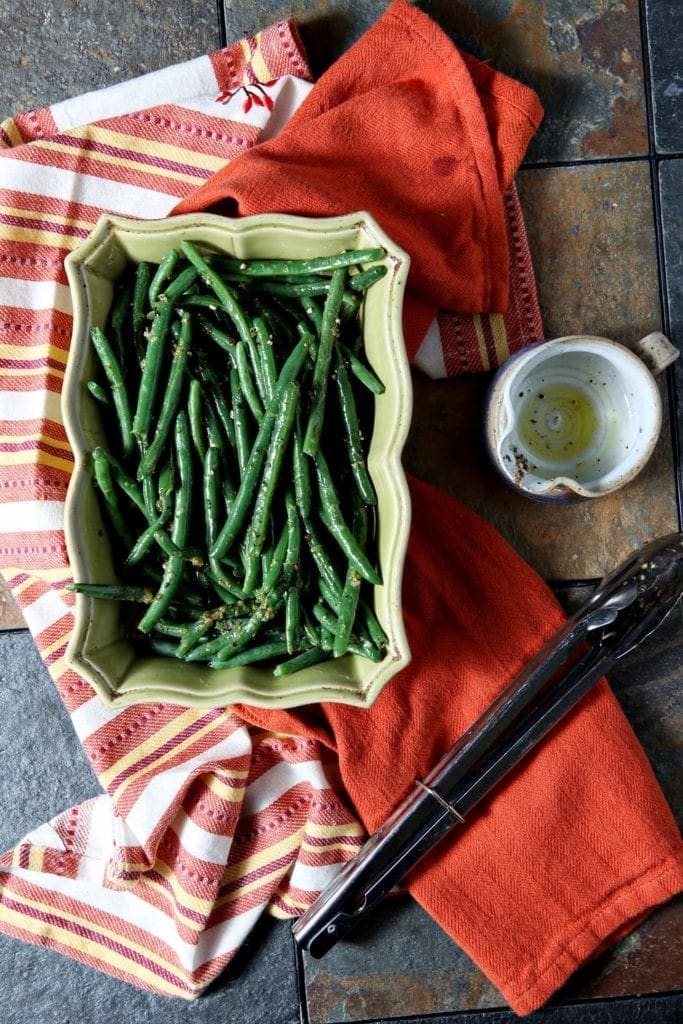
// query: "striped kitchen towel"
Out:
[203,823]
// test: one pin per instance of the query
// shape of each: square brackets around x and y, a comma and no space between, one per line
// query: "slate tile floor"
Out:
[602,191]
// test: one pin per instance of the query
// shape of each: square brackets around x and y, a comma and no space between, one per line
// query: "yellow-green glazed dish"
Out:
[97,650]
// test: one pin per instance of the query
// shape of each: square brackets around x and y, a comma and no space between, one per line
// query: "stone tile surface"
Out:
[10,613]
[581,541]
[327,27]
[45,771]
[671,198]
[583,58]
[57,50]
[591,230]
[399,962]
[664,21]
[592,237]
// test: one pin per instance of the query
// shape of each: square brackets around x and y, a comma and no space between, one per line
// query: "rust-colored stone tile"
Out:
[592,238]
[10,613]
[570,542]
[583,58]
[647,960]
[397,963]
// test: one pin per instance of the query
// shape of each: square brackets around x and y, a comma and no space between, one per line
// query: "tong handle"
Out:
[434,807]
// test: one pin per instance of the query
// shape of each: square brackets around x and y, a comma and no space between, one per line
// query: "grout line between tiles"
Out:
[671,386]
[301,983]
[542,165]
[222,29]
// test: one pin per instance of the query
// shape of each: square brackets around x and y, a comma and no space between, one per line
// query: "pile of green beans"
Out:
[234,481]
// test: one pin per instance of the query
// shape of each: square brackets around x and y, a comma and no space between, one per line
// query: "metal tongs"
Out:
[626,607]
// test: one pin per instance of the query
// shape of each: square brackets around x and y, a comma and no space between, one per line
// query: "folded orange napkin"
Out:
[425,138]
[579,844]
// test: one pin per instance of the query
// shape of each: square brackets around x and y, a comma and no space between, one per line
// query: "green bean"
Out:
[272,574]
[104,482]
[313,311]
[140,298]
[328,335]
[214,436]
[377,634]
[173,569]
[277,323]
[202,301]
[154,530]
[362,281]
[331,595]
[211,492]
[164,596]
[278,268]
[239,422]
[356,645]
[244,369]
[174,629]
[178,286]
[149,381]
[249,629]
[113,592]
[114,374]
[302,478]
[282,428]
[264,652]
[164,648]
[121,309]
[293,619]
[195,417]
[292,560]
[317,287]
[210,648]
[350,305]
[326,639]
[228,494]
[322,559]
[244,495]
[338,527]
[198,629]
[215,387]
[146,539]
[354,443]
[148,491]
[363,373]
[166,267]
[174,387]
[181,520]
[227,297]
[264,344]
[304,660]
[98,392]
[311,633]
[125,483]
[347,612]
[219,576]
[279,362]
[221,338]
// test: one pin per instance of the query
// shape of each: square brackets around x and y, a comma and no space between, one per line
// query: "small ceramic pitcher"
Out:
[576,417]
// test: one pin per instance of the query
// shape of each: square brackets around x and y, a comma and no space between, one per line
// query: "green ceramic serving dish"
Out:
[98,651]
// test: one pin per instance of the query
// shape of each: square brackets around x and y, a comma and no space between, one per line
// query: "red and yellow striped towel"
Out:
[203,822]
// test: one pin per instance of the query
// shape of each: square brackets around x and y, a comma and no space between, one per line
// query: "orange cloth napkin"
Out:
[425,138]
[579,843]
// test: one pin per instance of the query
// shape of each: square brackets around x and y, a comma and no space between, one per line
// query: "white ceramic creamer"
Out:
[576,417]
